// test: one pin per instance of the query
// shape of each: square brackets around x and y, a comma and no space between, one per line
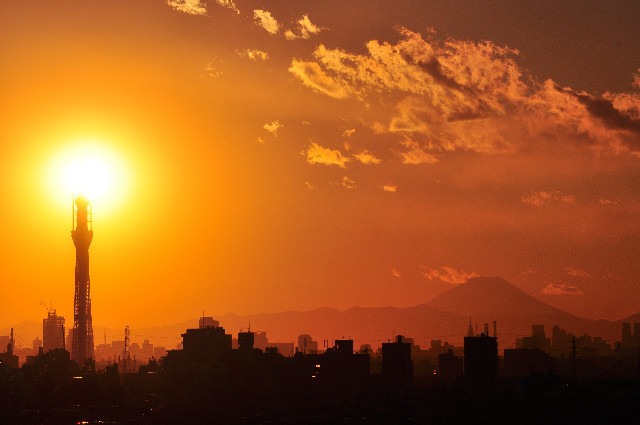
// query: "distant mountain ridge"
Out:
[445,317]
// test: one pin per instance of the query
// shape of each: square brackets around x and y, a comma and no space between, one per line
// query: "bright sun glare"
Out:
[88,176]
[91,169]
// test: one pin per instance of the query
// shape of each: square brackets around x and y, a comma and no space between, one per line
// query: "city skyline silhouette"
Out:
[319,212]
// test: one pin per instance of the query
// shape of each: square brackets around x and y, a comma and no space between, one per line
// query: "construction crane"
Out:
[49,309]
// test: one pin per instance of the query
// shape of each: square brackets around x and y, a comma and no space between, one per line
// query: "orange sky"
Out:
[309,154]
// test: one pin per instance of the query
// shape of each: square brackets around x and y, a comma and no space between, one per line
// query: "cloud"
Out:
[540,198]
[448,274]
[309,185]
[347,183]
[313,76]
[253,54]
[561,289]
[606,112]
[576,273]
[607,202]
[462,95]
[191,7]
[212,71]
[367,157]
[390,188]
[264,19]
[272,127]
[259,140]
[395,273]
[348,132]
[415,154]
[316,154]
[229,4]
[304,29]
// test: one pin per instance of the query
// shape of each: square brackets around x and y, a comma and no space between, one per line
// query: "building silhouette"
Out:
[397,366]
[82,344]
[450,367]
[526,361]
[306,344]
[208,342]
[537,341]
[52,331]
[8,358]
[208,322]
[481,358]
[245,341]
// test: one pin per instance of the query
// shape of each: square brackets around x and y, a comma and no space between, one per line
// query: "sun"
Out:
[90,168]
[88,176]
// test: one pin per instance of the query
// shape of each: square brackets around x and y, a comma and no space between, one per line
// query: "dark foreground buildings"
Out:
[207,381]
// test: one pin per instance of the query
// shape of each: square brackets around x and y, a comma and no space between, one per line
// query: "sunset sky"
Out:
[287,155]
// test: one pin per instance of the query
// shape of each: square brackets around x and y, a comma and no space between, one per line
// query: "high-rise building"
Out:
[52,332]
[245,341]
[82,234]
[306,344]
[207,322]
[481,358]
[397,366]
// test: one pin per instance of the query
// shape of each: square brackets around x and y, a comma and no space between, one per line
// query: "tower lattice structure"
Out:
[82,343]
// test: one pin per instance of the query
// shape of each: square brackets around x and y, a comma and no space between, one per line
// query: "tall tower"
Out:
[82,343]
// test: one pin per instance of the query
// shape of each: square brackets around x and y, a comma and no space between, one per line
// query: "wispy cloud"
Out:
[304,29]
[309,185]
[415,154]
[390,188]
[348,132]
[561,289]
[253,54]
[607,202]
[229,4]
[540,198]
[346,182]
[576,272]
[313,76]
[264,19]
[212,69]
[272,127]
[395,273]
[367,157]
[448,274]
[316,154]
[191,7]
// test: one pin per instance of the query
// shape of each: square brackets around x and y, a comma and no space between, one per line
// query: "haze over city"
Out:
[259,158]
